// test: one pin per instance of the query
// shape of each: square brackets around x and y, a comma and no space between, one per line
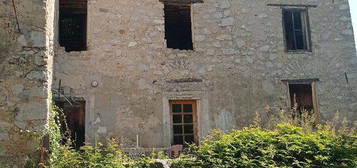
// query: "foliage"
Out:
[62,155]
[185,163]
[287,146]
[3,166]
[281,146]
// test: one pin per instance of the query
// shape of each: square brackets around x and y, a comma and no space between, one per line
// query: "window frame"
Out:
[305,27]
[194,118]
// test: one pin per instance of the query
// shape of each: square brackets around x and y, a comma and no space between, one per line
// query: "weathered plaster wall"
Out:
[239,56]
[25,70]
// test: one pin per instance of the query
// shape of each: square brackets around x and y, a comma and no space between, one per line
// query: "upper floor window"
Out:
[296,28]
[178,31]
[73,24]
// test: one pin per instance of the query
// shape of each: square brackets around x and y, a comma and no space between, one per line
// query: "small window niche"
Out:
[73,25]
[178,26]
[296,29]
[303,99]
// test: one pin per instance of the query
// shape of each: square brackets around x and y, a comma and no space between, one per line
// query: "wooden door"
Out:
[73,121]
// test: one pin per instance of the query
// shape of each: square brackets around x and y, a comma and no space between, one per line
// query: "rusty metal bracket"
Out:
[15,12]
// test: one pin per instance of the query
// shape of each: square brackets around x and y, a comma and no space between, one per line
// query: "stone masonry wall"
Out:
[25,76]
[235,70]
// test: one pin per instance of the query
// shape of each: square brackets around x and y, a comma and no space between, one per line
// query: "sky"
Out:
[353,6]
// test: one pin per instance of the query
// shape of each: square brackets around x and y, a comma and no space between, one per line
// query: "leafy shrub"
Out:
[3,165]
[185,163]
[99,156]
[62,154]
[287,146]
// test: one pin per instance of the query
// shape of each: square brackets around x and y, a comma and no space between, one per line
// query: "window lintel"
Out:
[181,1]
[301,81]
[292,5]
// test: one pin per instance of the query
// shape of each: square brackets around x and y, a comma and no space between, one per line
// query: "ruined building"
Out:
[154,73]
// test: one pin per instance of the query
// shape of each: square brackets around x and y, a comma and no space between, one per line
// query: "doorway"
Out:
[73,121]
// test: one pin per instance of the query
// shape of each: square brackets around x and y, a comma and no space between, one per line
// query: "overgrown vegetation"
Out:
[278,144]
[62,155]
[287,146]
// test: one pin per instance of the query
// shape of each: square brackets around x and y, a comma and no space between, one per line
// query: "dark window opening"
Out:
[73,25]
[301,98]
[183,122]
[178,31]
[296,29]
[72,121]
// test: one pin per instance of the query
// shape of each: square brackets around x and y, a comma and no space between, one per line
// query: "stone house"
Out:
[154,73]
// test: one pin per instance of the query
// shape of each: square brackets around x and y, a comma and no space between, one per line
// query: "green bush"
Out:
[97,156]
[3,165]
[285,147]
[185,163]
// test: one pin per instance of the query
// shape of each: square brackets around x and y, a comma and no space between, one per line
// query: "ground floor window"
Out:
[302,99]
[184,119]
[301,96]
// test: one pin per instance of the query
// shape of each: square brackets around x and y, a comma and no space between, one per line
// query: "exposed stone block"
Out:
[227,21]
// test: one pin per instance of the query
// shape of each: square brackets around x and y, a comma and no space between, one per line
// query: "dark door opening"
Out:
[301,98]
[73,121]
